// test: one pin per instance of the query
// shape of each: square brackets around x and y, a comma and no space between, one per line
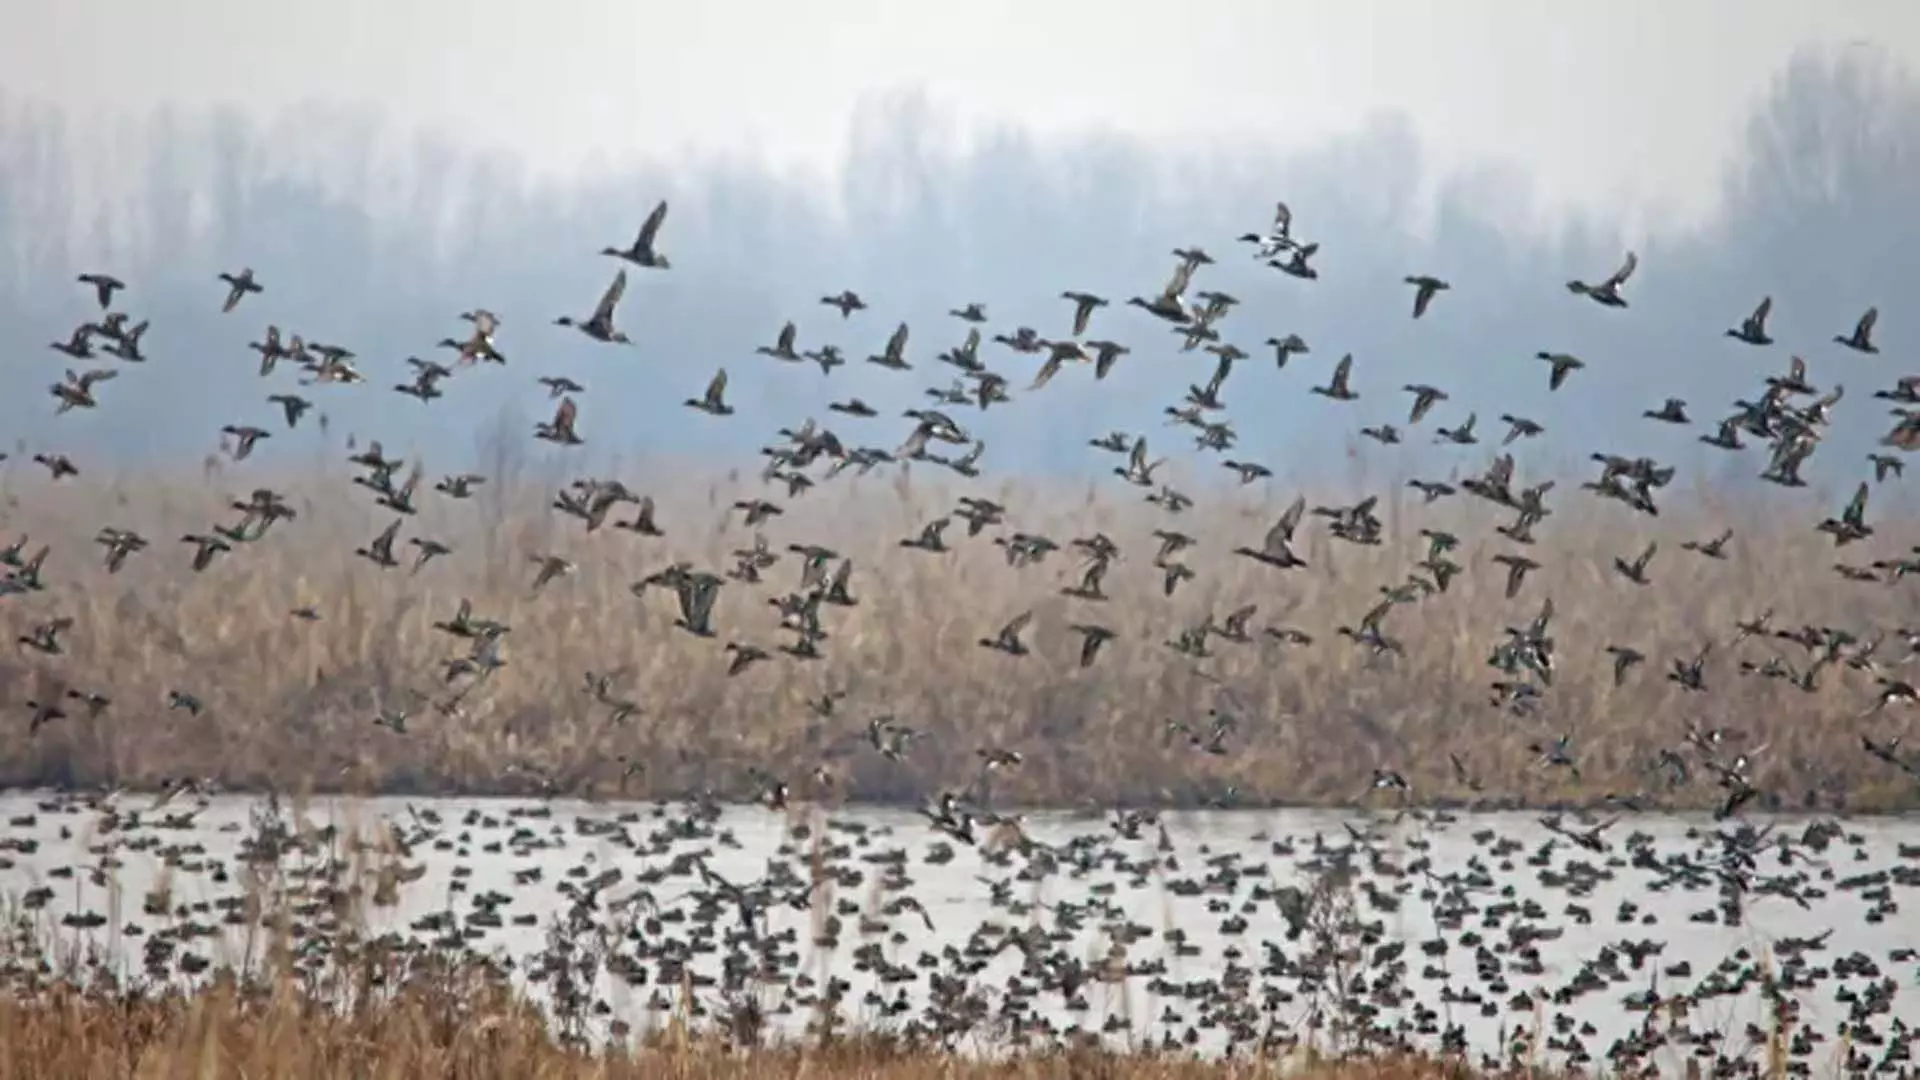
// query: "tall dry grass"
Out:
[281,1035]
[290,702]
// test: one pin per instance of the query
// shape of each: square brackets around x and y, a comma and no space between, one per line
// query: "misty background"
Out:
[380,250]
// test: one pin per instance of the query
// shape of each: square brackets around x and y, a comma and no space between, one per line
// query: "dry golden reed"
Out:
[308,998]
[219,1033]
[290,702]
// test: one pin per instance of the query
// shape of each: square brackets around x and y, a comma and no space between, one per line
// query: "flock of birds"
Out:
[1789,415]
[1487,938]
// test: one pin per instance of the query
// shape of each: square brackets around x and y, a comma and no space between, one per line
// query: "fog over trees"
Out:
[380,251]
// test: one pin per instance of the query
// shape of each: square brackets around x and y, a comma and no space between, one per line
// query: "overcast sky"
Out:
[1631,102]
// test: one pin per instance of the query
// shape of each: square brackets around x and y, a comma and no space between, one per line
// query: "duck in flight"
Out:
[238,286]
[1171,303]
[1279,240]
[1277,548]
[714,400]
[1426,287]
[1861,340]
[104,286]
[1138,470]
[642,253]
[1753,329]
[782,348]
[1084,305]
[599,326]
[847,302]
[560,428]
[1607,293]
[1337,387]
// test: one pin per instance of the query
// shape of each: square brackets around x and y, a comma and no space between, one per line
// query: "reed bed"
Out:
[281,1035]
[289,703]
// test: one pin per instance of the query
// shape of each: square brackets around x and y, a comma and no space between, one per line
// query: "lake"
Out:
[1176,929]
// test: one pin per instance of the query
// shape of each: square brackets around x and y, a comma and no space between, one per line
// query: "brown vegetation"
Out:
[301,989]
[283,1034]
[290,702]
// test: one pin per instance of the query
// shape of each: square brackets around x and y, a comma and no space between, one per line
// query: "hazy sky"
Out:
[1631,101]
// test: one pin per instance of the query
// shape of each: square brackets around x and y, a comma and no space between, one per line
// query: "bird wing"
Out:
[1047,371]
[611,298]
[1540,622]
[1177,284]
[1289,521]
[1091,576]
[1626,270]
[1501,473]
[651,228]
[1372,619]
[689,603]
[1219,374]
[701,597]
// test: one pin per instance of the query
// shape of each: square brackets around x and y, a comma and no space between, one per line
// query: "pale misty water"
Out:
[956,897]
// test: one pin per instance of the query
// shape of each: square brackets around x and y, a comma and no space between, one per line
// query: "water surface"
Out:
[1557,924]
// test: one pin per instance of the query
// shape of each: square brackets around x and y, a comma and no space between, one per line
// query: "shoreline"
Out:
[1686,810]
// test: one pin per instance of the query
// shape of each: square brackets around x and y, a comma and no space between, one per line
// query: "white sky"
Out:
[1631,102]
